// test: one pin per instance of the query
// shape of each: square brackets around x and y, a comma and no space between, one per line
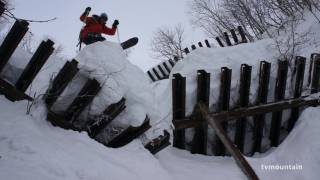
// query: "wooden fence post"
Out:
[193,47]
[200,44]
[156,73]
[315,86]
[310,69]
[151,76]
[85,96]
[11,42]
[171,62]
[38,59]
[186,50]
[207,43]
[226,37]
[178,108]
[61,81]
[223,105]
[166,67]
[175,58]
[300,64]
[244,92]
[280,90]
[262,98]
[242,34]
[234,36]
[162,71]
[219,42]
[199,143]
[2,7]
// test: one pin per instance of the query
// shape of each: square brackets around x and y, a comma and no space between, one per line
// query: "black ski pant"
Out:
[93,39]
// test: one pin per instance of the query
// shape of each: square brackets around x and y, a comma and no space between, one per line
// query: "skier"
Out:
[95,26]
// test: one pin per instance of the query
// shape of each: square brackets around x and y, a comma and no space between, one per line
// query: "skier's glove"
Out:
[88,9]
[115,24]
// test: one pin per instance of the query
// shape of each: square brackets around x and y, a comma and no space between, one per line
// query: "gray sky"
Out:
[137,18]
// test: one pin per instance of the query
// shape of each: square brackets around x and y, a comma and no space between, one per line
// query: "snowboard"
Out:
[129,43]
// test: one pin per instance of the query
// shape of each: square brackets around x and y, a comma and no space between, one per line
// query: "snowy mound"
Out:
[107,62]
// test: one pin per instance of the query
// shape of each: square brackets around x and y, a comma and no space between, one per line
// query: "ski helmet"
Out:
[104,16]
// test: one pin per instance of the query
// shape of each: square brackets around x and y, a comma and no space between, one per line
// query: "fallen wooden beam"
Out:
[12,93]
[236,154]
[158,144]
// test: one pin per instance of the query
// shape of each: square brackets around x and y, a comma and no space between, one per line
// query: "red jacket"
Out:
[94,26]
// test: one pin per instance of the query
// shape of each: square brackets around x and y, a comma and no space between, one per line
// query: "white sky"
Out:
[137,18]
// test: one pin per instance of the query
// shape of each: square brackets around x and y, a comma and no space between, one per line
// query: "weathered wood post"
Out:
[171,62]
[166,67]
[315,86]
[226,37]
[84,98]
[219,42]
[280,90]
[199,143]
[234,36]
[223,105]
[244,93]
[164,75]
[193,47]
[242,34]
[300,64]
[186,50]
[151,76]
[178,108]
[11,42]
[2,7]
[38,59]
[156,73]
[60,82]
[262,97]
[200,44]
[310,69]
[175,58]
[207,43]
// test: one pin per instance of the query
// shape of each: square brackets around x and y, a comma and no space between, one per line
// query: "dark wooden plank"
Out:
[310,69]
[199,142]
[193,47]
[58,120]
[226,37]
[60,82]
[37,61]
[300,64]
[2,8]
[207,43]
[200,44]
[12,40]
[242,35]
[85,97]
[223,105]
[315,83]
[279,94]
[156,73]
[225,116]
[129,134]
[108,115]
[151,76]
[186,50]
[162,71]
[176,59]
[166,67]
[244,93]
[262,98]
[219,42]
[12,93]
[171,62]
[234,36]
[236,154]
[158,144]
[178,107]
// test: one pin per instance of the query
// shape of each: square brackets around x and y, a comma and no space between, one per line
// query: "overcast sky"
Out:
[137,18]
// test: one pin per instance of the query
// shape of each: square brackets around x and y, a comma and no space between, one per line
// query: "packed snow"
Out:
[31,148]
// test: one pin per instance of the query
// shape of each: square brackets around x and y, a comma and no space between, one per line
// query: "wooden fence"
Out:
[163,70]
[70,117]
[199,143]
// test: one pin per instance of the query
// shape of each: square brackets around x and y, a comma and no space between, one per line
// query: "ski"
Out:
[129,43]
